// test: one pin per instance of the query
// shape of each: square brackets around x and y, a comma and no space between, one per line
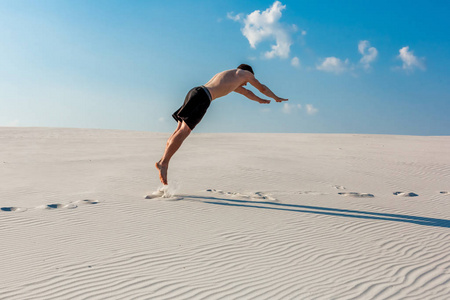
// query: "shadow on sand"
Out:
[325,211]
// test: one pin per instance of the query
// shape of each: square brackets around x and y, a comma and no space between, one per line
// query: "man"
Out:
[198,100]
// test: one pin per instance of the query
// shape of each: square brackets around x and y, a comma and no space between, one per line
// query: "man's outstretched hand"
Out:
[281,99]
[263,101]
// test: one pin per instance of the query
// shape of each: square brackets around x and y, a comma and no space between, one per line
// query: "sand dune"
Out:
[245,216]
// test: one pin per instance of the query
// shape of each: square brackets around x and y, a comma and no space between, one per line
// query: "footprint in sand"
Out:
[357,195]
[51,206]
[405,194]
[262,196]
[226,193]
[58,206]
[253,196]
[15,209]
[87,201]
[216,191]
[339,187]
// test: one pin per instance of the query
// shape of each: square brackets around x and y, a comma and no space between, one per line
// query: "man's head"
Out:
[246,68]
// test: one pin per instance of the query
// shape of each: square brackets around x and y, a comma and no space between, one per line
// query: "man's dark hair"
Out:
[246,68]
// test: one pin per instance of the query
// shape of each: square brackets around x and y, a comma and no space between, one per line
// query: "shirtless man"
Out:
[198,100]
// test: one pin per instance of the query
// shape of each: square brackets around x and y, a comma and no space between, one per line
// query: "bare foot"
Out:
[162,172]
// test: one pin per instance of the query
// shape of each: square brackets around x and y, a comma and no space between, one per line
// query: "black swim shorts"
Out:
[194,107]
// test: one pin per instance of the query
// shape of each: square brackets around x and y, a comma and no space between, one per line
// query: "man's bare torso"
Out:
[225,82]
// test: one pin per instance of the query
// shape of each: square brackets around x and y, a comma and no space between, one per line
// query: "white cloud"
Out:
[295,62]
[333,65]
[290,108]
[234,17]
[310,109]
[410,62]
[303,32]
[260,26]
[369,54]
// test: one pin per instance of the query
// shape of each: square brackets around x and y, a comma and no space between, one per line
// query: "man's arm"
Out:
[264,89]
[250,95]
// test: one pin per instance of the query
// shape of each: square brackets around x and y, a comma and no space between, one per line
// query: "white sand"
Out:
[253,216]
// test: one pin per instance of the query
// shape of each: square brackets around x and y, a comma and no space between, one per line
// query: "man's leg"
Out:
[178,128]
[173,144]
[170,138]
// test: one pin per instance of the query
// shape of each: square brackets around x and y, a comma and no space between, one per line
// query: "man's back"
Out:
[225,82]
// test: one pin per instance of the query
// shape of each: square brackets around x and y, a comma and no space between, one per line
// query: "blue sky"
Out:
[347,66]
